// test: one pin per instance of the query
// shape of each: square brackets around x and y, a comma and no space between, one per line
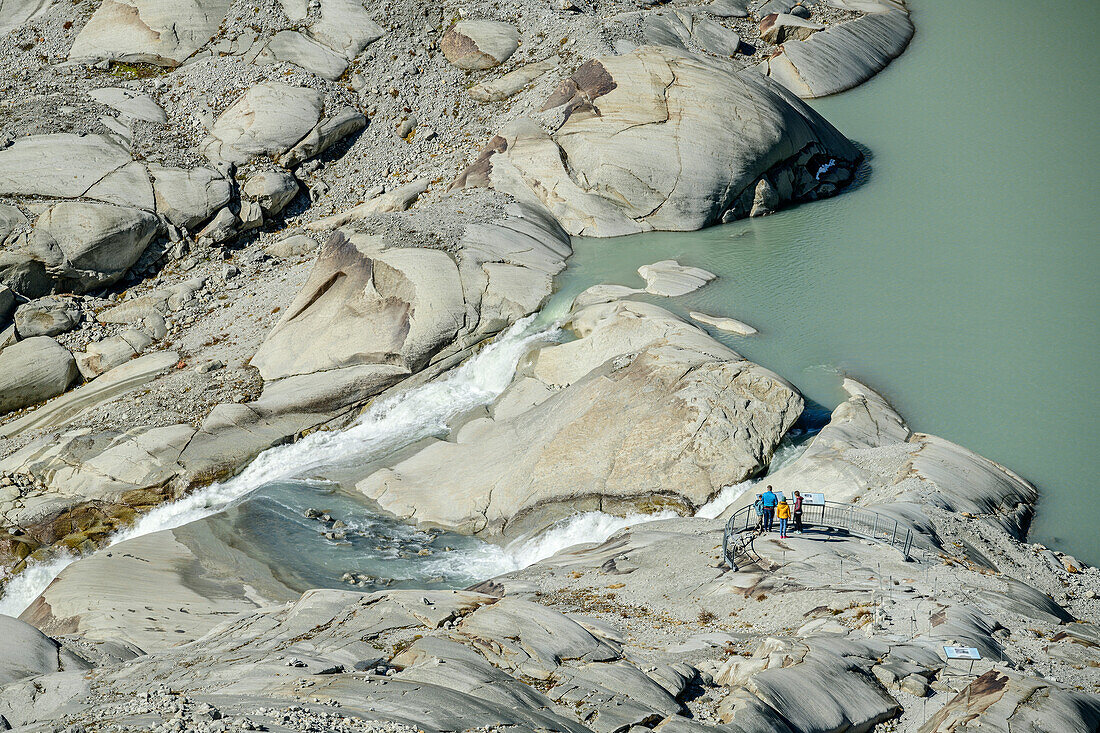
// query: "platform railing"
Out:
[744,526]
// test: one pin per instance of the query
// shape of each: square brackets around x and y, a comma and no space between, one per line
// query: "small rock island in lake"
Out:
[312,246]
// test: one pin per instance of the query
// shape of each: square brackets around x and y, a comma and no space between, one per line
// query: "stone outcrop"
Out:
[369,306]
[998,701]
[514,653]
[195,589]
[642,412]
[78,246]
[462,669]
[28,652]
[280,121]
[660,139]
[81,466]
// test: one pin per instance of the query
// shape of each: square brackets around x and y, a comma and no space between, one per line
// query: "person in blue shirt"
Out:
[770,501]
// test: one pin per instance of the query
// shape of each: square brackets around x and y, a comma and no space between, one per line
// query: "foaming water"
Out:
[574,530]
[725,497]
[22,589]
[353,544]
[386,426]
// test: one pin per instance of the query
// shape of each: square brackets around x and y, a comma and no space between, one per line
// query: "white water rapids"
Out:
[388,424]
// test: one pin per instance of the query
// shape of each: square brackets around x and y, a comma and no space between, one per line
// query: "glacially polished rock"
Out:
[645,153]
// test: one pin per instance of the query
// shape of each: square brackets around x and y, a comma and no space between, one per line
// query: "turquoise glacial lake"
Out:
[960,278]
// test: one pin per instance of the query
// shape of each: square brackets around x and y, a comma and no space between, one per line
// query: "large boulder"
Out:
[187,198]
[7,302]
[301,50]
[97,167]
[267,120]
[662,139]
[777,28]
[133,104]
[642,412]
[74,405]
[11,220]
[271,187]
[13,13]
[841,56]
[345,26]
[679,28]
[78,246]
[106,354]
[479,44]
[46,317]
[150,31]
[34,370]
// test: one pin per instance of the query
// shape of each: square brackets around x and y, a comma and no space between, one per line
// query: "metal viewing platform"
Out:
[744,527]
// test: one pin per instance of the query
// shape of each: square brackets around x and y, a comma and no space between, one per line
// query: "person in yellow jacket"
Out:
[783,513]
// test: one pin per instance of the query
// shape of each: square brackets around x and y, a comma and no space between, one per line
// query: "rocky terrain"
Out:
[225,226]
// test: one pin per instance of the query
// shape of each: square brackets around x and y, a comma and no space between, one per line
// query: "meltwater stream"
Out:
[388,425]
[265,511]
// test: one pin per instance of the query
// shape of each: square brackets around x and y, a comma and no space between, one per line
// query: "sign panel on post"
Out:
[813,498]
[962,652]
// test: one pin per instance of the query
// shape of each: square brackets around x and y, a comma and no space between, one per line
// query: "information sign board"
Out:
[962,652]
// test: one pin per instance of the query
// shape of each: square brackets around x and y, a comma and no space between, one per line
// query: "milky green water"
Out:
[961,278]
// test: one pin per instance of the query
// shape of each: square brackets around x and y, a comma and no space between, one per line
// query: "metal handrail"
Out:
[743,527]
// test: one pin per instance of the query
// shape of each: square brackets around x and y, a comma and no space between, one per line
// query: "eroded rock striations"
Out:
[660,139]
[203,152]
